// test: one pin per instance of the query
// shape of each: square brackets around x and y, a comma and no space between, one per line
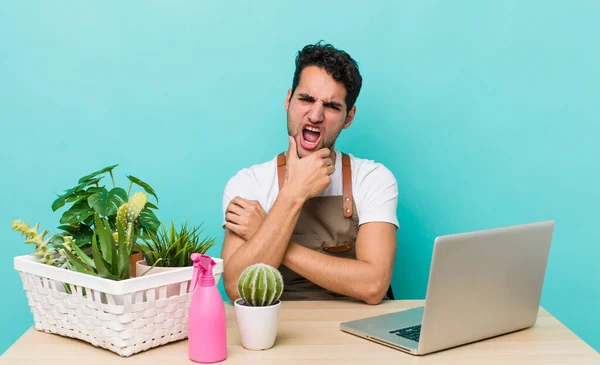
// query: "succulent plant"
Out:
[128,213]
[122,214]
[136,204]
[173,248]
[46,254]
[260,285]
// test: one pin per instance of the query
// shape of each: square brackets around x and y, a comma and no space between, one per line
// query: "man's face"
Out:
[316,113]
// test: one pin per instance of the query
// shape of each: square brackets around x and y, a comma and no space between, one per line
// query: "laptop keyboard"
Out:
[412,333]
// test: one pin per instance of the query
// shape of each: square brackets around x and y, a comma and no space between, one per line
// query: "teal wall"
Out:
[486,112]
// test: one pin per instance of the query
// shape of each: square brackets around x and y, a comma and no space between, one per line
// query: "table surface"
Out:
[309,333]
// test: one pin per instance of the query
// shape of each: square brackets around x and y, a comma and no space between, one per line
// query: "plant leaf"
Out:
[151,206]
[149,220]
[143,185]
[96,173]
[59,203]
[83,257]
[72,230]
[121,234]
[67,196]
[153,258]
[123,267]
[124,272]
[121,193]
[106,202]
[77,263]
[74,212]
[94,198]
[107,243]
[68,217]
[92,181]
[89,221]
[81,233]
[62,199]
[101,265]
[78,195]
[85,214]
[152,267]
[57,240]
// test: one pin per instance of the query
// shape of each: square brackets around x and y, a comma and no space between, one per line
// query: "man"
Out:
[327,220]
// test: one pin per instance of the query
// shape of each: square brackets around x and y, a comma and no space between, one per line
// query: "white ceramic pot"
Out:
[257,325]
[142,267]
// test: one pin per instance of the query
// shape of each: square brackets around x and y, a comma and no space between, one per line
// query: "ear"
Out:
[350,117]
[287,99]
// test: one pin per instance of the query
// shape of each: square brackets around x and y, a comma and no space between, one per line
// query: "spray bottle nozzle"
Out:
[196,257]
[203,270]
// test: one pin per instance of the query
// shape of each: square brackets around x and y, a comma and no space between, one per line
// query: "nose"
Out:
[315,114]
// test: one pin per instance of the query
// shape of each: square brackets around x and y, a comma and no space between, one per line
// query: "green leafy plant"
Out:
[173,248]
[110,250]
[260,285]
[89,197]
[45,252]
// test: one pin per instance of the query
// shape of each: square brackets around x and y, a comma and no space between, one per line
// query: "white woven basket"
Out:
[125,317]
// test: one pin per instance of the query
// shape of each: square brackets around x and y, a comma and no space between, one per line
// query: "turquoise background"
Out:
[486,113]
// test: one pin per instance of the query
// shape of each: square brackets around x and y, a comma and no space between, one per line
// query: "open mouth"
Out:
[311,137]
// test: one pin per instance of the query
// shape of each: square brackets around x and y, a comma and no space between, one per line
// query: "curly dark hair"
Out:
[336,63]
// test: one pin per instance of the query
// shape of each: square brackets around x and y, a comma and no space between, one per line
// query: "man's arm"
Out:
[367,278]
[267,245]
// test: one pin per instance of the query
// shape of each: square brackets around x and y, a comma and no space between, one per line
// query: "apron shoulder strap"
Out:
[346,180]
[347,185]
[281,169]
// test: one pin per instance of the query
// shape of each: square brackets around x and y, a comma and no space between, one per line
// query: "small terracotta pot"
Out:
[133,259]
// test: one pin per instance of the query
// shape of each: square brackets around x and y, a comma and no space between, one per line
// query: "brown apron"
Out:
[327,224]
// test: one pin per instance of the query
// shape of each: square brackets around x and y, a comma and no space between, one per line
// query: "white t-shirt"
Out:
[374,188]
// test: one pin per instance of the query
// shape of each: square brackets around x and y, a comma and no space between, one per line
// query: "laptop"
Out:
[481,284]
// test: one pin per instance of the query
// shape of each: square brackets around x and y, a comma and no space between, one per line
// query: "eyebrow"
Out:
[328,103]
[334,104]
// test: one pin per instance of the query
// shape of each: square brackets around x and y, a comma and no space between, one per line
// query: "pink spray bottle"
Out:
[207,326]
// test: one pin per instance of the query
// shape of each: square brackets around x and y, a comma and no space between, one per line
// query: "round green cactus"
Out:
[260,285]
